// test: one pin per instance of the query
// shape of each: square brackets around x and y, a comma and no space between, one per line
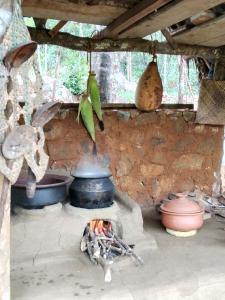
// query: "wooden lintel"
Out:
[114,106]
[130,17]
[67,40]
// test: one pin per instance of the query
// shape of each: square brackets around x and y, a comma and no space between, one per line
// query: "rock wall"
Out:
[149,154]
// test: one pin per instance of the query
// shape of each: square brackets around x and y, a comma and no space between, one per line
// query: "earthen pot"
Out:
[182,214]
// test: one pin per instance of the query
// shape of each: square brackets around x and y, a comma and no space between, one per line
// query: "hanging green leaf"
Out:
[93,90]
[85,109]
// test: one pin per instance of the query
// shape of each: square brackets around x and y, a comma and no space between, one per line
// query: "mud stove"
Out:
[58,229]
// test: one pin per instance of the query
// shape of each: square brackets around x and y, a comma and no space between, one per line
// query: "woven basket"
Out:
[211,106]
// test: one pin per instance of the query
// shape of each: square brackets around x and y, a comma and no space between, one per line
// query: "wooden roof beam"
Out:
[130,17]
[78,11]
[209,34]
[168,37]
[174,12]
[70,41]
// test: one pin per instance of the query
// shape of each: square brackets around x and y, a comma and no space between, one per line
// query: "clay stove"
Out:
[58,230]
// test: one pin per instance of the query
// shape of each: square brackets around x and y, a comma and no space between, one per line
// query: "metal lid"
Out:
[91,171]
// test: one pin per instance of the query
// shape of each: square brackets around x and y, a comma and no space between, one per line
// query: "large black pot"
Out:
[91,193]
[50,190]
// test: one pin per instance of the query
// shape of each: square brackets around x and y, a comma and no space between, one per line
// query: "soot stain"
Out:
[51,281]
[84,287]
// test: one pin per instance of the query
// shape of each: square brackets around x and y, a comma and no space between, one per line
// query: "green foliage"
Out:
[73,67]
[75,83]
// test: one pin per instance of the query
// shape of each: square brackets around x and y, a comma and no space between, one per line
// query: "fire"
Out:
[102,244]
[100,226]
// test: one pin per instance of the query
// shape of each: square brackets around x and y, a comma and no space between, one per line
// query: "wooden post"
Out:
[219,74]
[5,247]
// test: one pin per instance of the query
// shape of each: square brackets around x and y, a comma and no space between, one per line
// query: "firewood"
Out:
[96,248]
[106,268]
[129,251]
[89,251]
[83,243]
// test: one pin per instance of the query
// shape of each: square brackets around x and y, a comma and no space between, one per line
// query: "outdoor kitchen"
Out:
[112,200]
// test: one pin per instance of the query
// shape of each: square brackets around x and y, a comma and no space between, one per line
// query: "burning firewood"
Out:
[102,244]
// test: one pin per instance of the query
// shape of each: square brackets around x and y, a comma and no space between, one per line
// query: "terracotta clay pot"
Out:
[182,214]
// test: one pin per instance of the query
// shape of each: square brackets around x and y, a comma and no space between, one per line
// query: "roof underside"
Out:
[191,22]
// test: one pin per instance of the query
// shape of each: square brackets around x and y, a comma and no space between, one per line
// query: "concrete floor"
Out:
[181,268]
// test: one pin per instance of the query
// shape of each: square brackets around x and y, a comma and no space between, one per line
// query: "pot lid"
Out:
[92,171]
[181,205]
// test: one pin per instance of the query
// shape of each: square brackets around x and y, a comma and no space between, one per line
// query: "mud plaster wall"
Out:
[149,154]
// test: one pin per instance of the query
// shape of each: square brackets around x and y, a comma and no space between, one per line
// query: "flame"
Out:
[100,226]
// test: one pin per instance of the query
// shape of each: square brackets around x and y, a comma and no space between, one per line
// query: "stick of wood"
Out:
[102,244]
[117,242]
[83,243]
[106,268]
[89,251]
[96,249]
[129,250]
[56,29]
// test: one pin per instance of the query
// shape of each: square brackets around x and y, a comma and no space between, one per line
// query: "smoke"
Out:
[91,166]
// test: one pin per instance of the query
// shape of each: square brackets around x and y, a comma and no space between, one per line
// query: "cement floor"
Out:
[181,268]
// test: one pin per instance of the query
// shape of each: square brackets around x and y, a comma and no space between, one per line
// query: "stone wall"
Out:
[150,154]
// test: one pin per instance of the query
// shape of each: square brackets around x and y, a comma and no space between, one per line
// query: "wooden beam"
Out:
[57,27]
[217,41]
[67,40]
[77,11]
[206,34]
[130,17]
[113,106]
[175,12]
[168,37]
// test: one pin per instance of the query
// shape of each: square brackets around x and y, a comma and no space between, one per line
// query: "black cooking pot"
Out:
[50,190]
[91,190]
